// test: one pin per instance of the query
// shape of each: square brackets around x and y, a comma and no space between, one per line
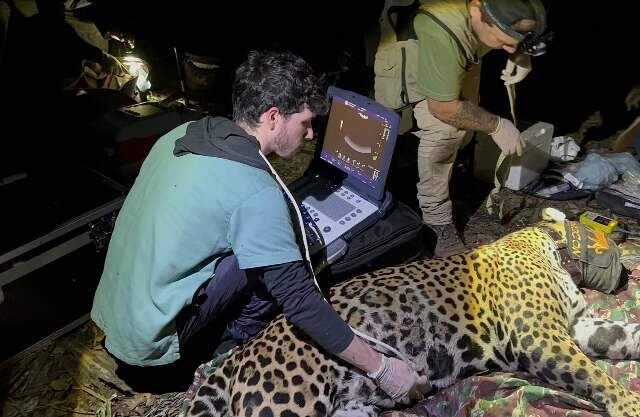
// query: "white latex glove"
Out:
[507,137]
[399,381]
[516,70]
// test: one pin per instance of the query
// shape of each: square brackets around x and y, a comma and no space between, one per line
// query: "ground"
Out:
[75,376]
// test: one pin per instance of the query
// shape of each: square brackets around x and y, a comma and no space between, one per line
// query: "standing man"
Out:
[431,61]
[204,243]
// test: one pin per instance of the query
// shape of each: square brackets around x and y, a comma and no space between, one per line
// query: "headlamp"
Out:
[505,13]
[534,44]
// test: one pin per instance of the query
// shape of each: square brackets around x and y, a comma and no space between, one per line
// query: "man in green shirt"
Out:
[436,69]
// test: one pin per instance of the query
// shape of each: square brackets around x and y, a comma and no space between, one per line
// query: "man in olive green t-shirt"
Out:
[441,81]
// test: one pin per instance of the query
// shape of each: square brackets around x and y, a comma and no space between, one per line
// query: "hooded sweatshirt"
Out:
[202,192]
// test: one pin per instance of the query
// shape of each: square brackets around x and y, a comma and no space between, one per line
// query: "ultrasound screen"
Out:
[355,141]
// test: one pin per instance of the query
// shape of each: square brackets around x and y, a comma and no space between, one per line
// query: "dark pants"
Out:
[229,309]
[234,302]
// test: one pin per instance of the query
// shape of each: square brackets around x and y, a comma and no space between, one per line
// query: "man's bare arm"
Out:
[463,115]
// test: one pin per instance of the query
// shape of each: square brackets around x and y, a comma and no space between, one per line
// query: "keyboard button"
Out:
[353,214]
[326,229]
[358,211]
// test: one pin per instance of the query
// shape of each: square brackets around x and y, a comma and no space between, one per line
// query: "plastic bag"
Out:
[563,149]
[623,162]
[596,172]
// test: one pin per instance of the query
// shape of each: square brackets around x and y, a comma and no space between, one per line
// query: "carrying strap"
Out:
[470,60]
[379,345]
[566,261]
[497,183]
[404,94]
[405,31]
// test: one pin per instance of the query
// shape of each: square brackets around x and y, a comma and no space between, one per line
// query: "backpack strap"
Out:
[567,263]
[470,60]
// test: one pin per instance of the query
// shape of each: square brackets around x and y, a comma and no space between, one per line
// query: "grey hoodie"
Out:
[222,138]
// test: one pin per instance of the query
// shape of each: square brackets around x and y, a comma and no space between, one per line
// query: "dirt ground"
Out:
[74,375]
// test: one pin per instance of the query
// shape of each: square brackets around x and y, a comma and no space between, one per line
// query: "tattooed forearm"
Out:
[470,116]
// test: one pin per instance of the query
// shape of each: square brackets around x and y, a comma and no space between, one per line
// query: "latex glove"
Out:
[517,68]
[399,381]
[507,137]
[633,98]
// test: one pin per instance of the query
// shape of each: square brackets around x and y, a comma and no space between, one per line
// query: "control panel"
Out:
[336,213]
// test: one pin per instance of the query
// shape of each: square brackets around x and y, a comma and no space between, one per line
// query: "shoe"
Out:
[448,241]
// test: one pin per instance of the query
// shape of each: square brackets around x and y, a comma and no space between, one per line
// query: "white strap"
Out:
[497,183]
[377,343]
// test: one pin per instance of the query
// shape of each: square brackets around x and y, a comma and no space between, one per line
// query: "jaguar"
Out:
[504,306]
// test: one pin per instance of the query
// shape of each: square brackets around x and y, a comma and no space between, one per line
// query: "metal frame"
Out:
[44,342]
[20,269]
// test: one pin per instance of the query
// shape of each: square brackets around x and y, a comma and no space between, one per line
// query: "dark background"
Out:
[590,65]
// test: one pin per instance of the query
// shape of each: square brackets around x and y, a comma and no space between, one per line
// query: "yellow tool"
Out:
[598,221]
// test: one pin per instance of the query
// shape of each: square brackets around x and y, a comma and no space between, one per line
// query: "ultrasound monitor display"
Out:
[355,141]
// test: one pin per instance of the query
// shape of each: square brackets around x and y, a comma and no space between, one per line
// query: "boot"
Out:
[448,241]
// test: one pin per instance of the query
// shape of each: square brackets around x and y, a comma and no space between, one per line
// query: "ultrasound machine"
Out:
[343,192]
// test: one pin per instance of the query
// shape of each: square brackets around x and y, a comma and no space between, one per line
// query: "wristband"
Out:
[498,127]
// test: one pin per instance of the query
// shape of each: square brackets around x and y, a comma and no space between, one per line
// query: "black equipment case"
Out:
[394,239]
[56,228]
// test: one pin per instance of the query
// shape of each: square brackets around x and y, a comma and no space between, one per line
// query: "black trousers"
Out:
[228,309]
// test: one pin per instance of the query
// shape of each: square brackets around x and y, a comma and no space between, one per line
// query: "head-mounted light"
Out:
[534,44]
[505,13]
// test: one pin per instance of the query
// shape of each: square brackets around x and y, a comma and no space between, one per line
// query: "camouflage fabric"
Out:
[174,404]
[521,395]
[630,254]
[203,372]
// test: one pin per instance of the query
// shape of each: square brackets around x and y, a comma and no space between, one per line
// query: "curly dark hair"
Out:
[275,79]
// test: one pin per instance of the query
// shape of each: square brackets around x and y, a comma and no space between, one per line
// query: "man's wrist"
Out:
[375,363]
[377,372]
[362,356]
[497,126]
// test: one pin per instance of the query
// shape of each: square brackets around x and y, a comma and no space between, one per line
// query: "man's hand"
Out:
[507,137]
[517,68]
[399,381]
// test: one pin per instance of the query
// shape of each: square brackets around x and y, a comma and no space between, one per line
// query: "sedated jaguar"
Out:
[503,306]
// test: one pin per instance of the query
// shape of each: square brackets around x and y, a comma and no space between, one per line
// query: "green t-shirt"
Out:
[180,216]
[441,64]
